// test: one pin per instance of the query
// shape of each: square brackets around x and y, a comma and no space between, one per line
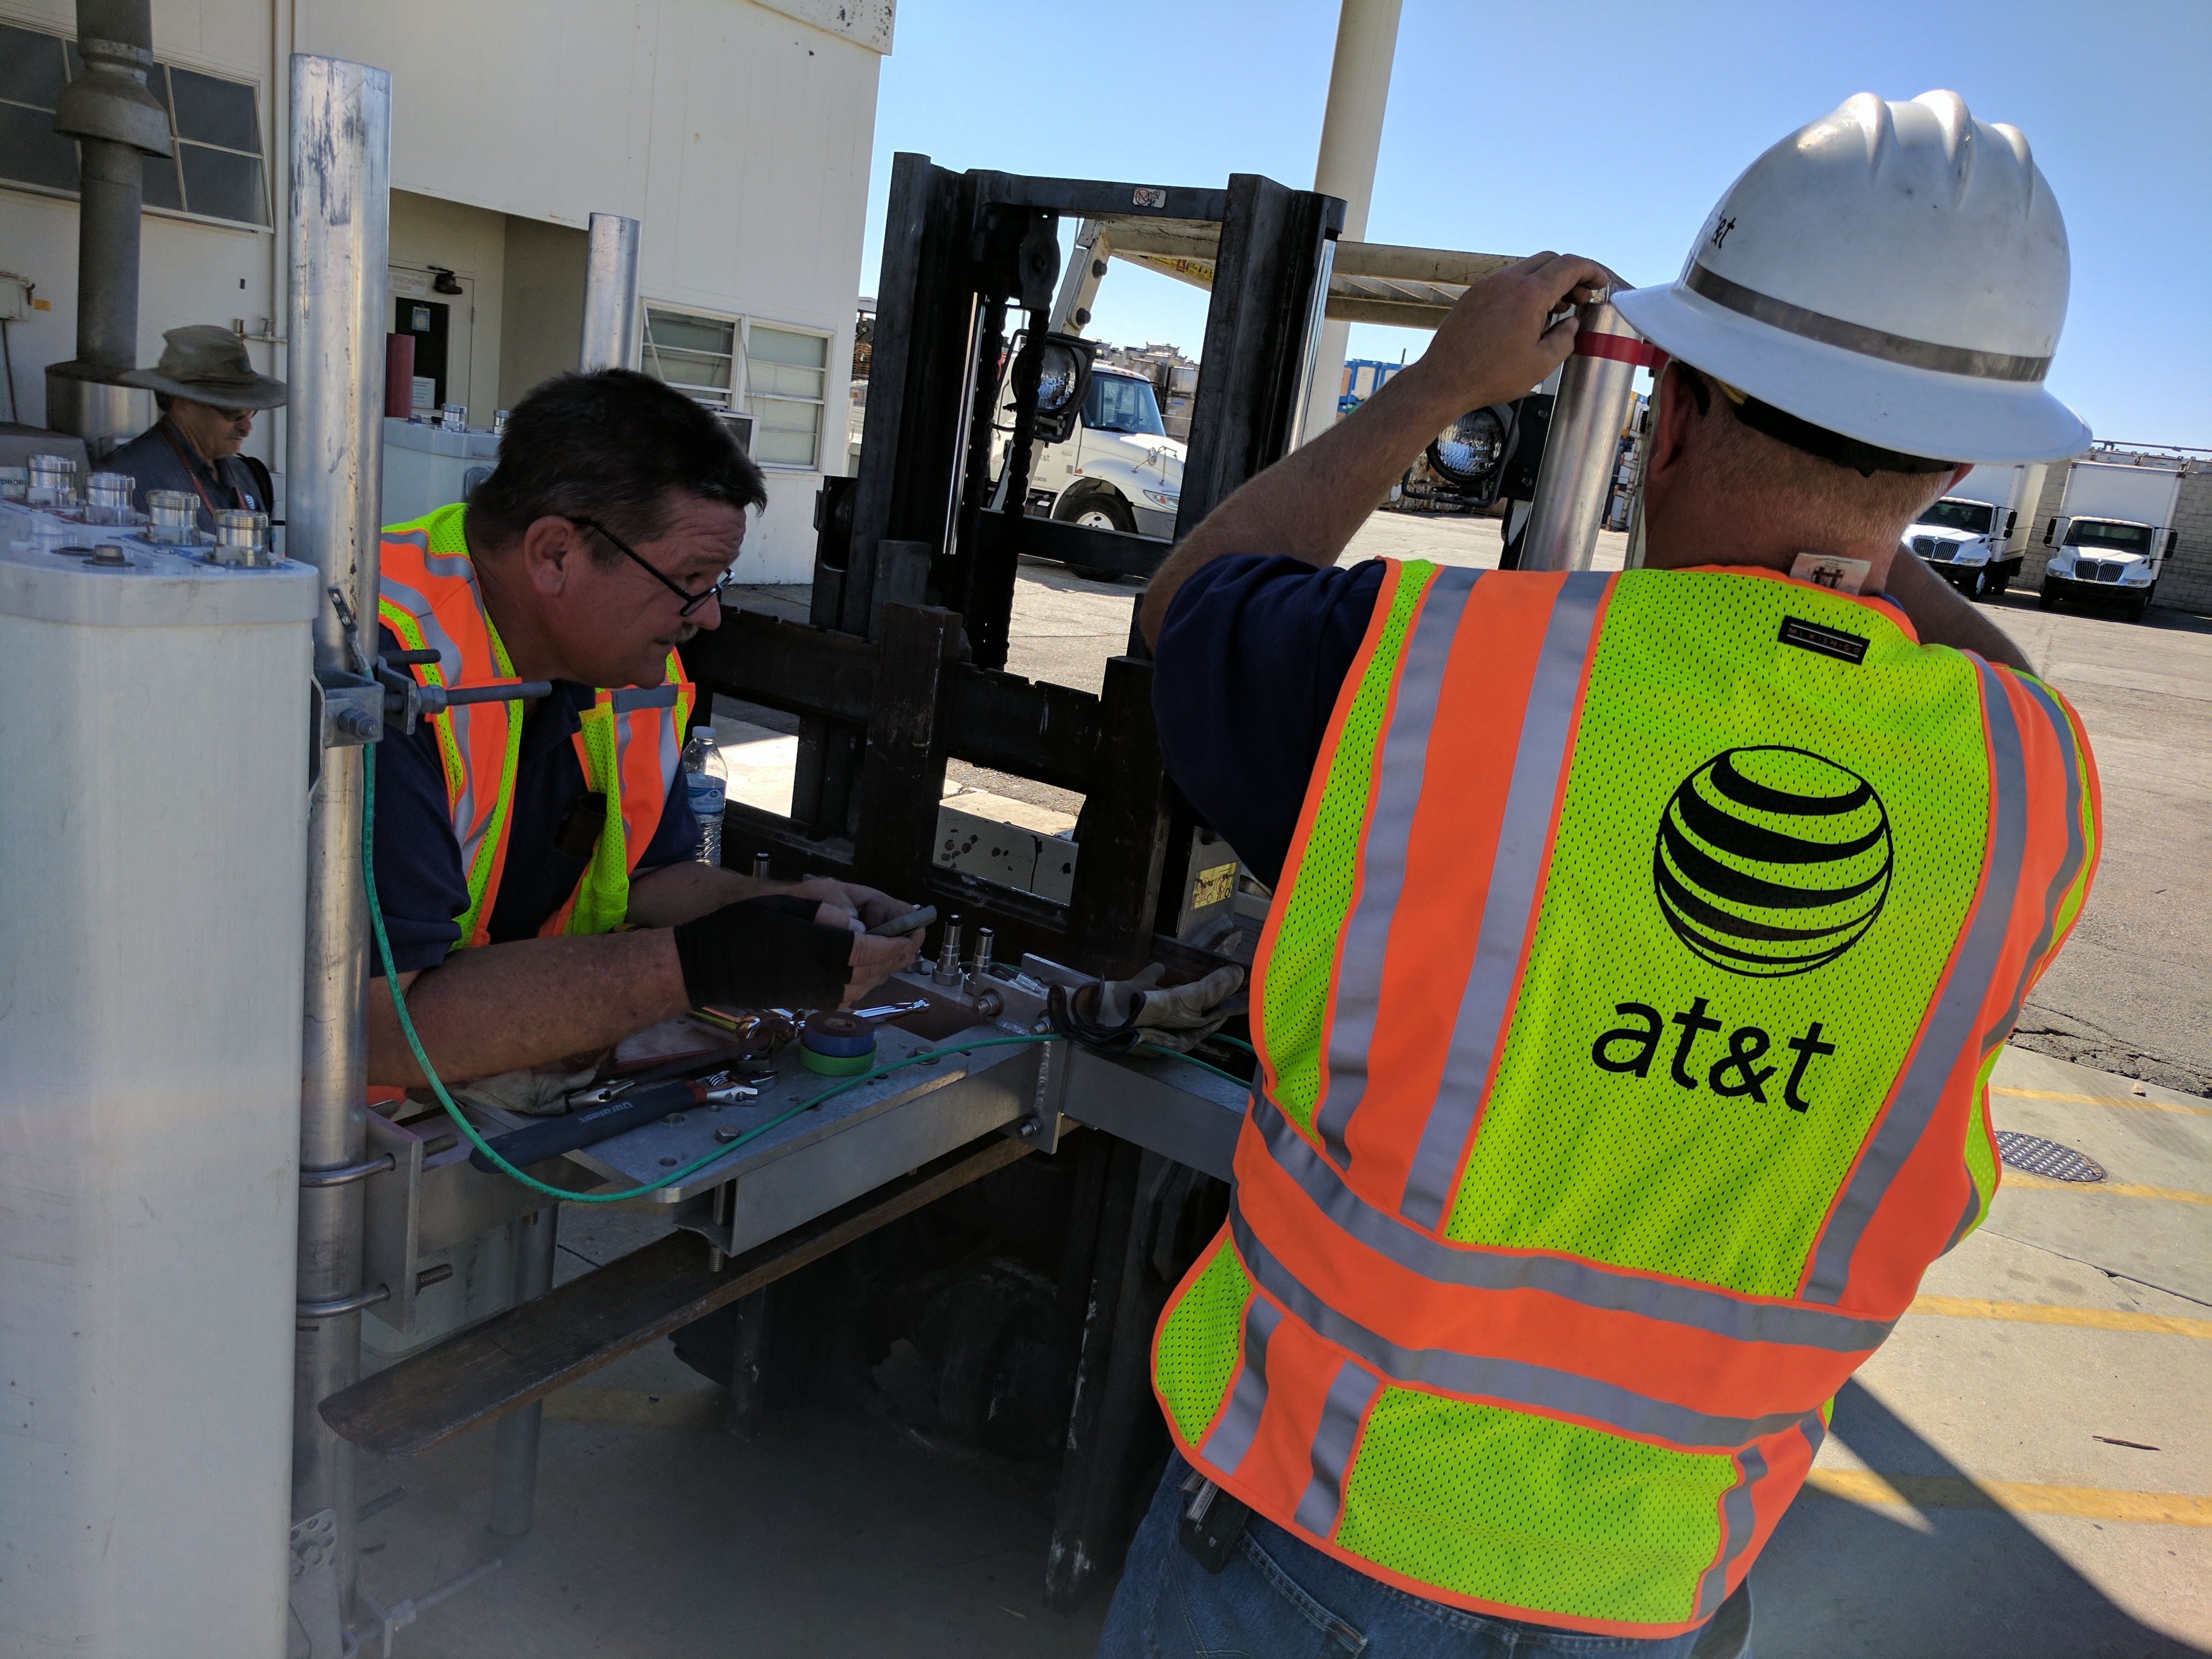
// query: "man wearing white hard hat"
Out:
[1640,945]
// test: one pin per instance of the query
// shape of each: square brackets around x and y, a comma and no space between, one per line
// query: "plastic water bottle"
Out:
[704,787]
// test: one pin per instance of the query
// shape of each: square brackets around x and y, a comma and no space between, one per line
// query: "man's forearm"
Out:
[504,1007]
[1942,615]
[1312,503]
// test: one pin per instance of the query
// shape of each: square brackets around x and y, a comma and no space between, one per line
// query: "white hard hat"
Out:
[1896,273]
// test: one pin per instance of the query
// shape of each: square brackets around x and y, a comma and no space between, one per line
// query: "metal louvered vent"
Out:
[2033,1155]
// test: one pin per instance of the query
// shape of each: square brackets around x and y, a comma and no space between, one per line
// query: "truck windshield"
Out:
[2101,532]
[1949,513]
[1120,403]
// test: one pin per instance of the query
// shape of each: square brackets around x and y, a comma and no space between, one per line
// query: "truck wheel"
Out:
[2046,600]
[1095,509]
[1976,587]
[1999,581]
[2136,605]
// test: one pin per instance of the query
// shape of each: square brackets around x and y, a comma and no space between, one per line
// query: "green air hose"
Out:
[415,1043]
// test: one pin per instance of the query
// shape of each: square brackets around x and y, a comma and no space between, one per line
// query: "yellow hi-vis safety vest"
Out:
[629,744]
[1623,1015]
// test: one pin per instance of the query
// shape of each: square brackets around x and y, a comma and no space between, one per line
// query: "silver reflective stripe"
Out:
[1580,1282]
[1486,1377]
[1738,1522]
[1546,728]
[1857,337]
[630,698]
[1341,1417]
[1397,793]
[1231,1438]
[1952,1033]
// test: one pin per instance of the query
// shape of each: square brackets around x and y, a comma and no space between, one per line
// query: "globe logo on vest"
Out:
[1771,861]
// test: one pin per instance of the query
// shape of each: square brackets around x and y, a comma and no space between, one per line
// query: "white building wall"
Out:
[738,133]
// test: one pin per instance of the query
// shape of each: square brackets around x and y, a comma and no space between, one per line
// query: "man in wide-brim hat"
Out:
[209,393]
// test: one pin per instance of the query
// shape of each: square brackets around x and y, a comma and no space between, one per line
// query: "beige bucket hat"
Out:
[209,365]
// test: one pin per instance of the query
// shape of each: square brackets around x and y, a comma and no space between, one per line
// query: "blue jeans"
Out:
[1281,1598]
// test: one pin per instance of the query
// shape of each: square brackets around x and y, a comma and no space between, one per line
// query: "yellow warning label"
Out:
[1213,886]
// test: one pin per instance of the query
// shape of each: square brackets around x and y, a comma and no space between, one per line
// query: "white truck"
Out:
[2113,534]
[1976,535]
[1118,469]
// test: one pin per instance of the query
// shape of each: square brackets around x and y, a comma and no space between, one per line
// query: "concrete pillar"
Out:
[1351,134]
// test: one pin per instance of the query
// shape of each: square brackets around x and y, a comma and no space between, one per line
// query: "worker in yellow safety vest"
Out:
[535,858]
[1641,942]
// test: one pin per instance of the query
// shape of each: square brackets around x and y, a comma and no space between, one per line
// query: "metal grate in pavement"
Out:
[2033,1155]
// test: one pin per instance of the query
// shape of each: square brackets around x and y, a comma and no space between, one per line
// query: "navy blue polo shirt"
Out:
[1245,676]
[419,880]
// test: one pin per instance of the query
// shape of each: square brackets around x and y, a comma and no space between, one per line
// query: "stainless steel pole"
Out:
[1576,480]
[340,210]
[514,1448]
[612,336]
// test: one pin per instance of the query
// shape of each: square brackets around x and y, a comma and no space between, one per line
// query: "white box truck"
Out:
[1976,535]
[2113,534]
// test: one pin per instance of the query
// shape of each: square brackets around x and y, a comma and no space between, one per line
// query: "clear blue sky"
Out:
[1606,129]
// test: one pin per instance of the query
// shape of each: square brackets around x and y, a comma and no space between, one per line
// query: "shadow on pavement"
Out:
[1840,1580]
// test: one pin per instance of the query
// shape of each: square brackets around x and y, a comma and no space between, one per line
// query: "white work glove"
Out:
[1180,1016]
[533,1094]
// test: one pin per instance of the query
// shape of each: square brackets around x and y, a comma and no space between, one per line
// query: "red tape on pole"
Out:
[1621,349]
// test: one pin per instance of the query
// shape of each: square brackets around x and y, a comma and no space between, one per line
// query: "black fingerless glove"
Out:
[763,953]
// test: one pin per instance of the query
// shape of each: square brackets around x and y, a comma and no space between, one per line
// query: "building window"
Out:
[785,371]
[696,355]
[216,172]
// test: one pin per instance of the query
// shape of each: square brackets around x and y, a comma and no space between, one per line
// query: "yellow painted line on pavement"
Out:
[1947,1492]
[2039,1313]
[2133,1102]
[2114,1188]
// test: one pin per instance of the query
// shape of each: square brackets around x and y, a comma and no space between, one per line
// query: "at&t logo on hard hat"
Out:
[1771,860]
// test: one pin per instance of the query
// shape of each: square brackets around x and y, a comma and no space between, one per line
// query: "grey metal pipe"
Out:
[1575,479]
[514,1446]
[340,212]
[612,336]
[111,186]
[115,119]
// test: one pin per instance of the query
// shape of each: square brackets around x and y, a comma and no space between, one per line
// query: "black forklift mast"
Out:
[903,664]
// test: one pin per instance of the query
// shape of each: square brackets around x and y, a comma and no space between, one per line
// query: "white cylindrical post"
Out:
[155,825]
[612,336]
[340,216]
[1576,480]
[1350,136]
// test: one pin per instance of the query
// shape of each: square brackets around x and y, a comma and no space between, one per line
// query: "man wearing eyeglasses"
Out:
[534,860]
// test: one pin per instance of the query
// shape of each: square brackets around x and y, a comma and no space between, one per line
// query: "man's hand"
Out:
[874,960]
[1499,341]
[1496,343]
[874,908]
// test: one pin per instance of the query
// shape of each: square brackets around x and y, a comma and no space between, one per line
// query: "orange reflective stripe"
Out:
[1901,1157]
[1537,785]
[1395,575]
[1450,849]
[1286,1187]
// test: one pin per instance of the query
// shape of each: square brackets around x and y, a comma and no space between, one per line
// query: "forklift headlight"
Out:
[1063,382]
[1058,378]
[1471,448]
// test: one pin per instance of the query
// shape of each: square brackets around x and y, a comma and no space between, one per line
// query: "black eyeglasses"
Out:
[692,601]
